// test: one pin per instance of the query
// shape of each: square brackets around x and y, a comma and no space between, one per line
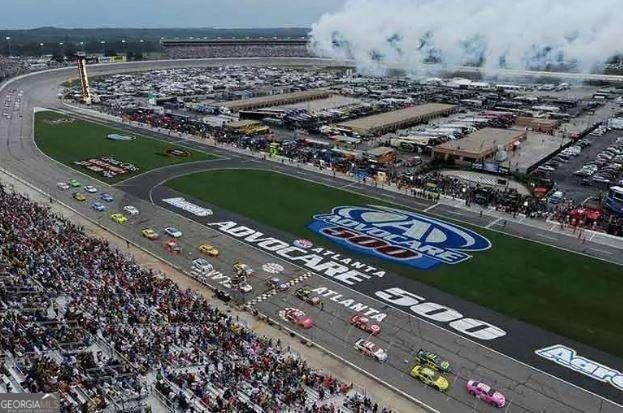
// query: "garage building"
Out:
[479,146]
[397,119]
[275,100]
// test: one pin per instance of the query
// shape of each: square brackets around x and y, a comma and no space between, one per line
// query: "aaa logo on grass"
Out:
[399,236]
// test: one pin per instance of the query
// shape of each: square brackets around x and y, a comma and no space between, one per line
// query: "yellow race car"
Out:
[208,249]
[79,197]
[150,234]
[430,377]
[119,218]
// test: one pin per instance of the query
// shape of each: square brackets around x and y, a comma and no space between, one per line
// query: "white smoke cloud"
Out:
[579,35]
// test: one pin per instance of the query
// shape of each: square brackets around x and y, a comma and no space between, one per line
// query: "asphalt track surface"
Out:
[531,384]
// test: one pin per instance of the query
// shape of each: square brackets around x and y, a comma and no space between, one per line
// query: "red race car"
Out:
[296,316]
[365,324]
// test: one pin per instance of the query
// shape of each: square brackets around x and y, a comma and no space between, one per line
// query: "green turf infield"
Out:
[566,293]
[68,140]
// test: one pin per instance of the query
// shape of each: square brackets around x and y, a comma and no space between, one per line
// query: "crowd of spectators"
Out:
[235,50]
[504,199]
[587,215]
[12,66]
[82,318]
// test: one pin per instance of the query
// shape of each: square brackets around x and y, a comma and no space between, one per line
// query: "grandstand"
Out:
[255,47]
[82,319]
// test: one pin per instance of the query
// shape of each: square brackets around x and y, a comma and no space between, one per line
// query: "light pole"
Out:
[41,48]
[103,43]
[8,41]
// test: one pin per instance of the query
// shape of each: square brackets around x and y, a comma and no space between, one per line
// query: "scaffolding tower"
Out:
[84,78]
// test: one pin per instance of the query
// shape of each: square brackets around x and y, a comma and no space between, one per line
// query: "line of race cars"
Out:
[429,368]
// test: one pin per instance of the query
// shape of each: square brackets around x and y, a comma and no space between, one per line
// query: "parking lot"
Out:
[582,176]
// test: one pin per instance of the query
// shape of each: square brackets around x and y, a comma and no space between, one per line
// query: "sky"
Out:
[22,14]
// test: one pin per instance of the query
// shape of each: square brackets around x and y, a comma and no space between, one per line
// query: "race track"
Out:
[531,383]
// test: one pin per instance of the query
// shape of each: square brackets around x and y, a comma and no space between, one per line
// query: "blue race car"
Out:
[98,207]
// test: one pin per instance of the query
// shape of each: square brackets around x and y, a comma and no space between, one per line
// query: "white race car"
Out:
[202,265]
[131,210]
[370,349]
[173,232]
[63,185]
[90,189]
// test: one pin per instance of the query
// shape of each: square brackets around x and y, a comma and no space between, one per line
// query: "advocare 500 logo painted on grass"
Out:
[400,236]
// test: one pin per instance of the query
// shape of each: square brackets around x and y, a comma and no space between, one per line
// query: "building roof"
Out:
[397,118]
[481,143]
[278,99]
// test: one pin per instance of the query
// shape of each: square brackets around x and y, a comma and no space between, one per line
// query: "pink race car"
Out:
[296,316]
[485,393]
[365,324]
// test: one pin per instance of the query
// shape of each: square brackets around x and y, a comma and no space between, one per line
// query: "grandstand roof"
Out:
[234,41]
[388,121]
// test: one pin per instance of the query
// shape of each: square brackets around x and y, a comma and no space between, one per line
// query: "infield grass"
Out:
[566,293]
[77,140]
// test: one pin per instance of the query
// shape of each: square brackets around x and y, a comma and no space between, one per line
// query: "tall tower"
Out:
[84,78]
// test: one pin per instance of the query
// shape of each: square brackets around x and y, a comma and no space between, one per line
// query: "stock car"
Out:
[430,377]
[106,197]
[208,249]
[431,359]
[305,295]
[79,196]
[150,234]
[370,349]
[222,295]
[485,393]
[364,323]
[297,317]
[172,246]
[99,207]
[202,265]
[242,269]
[130,210]
[119,218]
[63,185]
[240,283]
[173,232]
[90,189]
[277,284]
[74,183]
